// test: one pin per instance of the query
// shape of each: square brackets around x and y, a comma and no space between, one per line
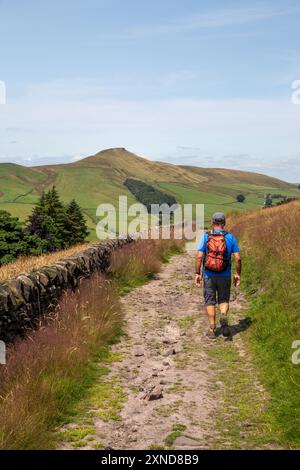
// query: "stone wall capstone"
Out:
[24,299]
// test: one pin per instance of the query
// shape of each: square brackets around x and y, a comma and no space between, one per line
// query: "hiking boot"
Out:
[225,330]
[211,334]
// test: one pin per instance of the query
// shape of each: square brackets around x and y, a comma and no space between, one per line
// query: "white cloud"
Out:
[217,18]
[206,130]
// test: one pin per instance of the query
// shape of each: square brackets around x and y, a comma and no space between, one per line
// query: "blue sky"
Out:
[196,82]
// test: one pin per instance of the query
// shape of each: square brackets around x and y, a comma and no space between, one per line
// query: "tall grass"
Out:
[270,241]
[50,371]
[28,263]
[136,263]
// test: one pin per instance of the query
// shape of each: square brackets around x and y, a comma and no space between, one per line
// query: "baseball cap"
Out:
[219,217]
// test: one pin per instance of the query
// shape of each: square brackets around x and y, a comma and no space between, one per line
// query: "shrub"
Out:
[240,198]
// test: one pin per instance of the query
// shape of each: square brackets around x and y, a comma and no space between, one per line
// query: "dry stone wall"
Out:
[24,299]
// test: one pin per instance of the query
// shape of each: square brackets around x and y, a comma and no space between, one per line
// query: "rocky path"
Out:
[165,387]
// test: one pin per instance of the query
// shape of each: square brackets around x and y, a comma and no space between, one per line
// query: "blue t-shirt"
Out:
[232,247]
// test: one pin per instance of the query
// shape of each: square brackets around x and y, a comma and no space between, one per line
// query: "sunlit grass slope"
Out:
[270,242]
[100,179]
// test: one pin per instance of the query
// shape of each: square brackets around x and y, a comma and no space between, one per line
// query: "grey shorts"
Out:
[217,290]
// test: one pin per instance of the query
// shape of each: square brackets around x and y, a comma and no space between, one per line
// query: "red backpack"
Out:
[216,258]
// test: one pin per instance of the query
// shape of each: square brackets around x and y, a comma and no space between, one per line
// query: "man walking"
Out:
[214,254]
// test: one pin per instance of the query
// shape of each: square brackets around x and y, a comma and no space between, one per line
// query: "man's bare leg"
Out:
[211,312]
[224,308]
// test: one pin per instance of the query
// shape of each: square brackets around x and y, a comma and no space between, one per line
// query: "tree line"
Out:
[147,194]
[51,226]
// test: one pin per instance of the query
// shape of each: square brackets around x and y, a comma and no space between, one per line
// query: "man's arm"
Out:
[238,268]
[200,254]
[198,277]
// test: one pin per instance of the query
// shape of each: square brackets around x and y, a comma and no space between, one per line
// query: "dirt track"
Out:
[166,382]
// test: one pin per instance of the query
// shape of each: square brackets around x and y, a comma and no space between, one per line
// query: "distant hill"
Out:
[100,178]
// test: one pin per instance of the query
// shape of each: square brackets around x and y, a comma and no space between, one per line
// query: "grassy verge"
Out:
[52,369]
[270,241]
[62,368]
[243,420]
[135,264]
[103,398]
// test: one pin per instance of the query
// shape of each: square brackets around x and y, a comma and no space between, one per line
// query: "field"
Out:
[100,179]
[223,198]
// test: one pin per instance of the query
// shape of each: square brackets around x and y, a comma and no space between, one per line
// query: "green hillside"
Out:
[100,178]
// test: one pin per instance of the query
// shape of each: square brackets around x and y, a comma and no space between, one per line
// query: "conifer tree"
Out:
[76,223]
[10,237]
[43,227]
[57,211]
[14,241]
[58,225]
[43,222]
